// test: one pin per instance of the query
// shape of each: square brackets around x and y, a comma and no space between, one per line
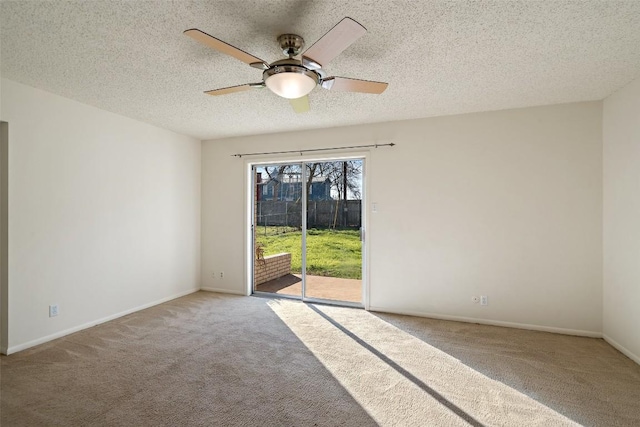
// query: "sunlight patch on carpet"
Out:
[399,379]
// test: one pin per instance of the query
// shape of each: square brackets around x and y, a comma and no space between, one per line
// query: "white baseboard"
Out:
[564,331]
[622,349]
[224,291]
[24,346]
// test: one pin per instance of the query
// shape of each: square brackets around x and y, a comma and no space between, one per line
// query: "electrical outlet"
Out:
[222,274]
[475,299]
[53,310]
[484,300]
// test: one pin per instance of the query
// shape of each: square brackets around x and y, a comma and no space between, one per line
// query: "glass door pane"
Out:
[277,265]
[334,221]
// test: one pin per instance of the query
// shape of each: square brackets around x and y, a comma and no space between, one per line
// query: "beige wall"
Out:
[621,136]
[4,222]
[506,204]
[104,214]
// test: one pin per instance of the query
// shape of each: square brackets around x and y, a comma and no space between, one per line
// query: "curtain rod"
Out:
[391,144]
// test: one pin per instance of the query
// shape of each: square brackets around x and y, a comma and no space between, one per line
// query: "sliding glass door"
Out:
[277,229]
[333,234]
[307,230]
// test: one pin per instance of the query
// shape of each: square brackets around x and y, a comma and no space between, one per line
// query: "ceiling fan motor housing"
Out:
[291,44]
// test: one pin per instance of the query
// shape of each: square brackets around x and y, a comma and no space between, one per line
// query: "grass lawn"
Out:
[333,253]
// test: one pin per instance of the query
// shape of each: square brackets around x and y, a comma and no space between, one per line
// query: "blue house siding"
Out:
[291,191]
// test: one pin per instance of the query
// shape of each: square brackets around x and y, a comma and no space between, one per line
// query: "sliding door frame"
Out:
[249,258]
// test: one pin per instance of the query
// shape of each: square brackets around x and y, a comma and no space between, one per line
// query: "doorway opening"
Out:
[307,230]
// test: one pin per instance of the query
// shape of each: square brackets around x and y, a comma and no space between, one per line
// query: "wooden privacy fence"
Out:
[320,213]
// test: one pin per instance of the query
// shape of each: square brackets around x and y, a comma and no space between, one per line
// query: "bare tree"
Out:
[346,178]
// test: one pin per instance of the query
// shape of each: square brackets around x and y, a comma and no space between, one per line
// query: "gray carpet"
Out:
[210,359]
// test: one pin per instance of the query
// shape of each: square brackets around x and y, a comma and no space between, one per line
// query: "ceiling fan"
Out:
[293,78]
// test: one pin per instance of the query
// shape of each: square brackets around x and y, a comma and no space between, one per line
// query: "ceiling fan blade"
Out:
[233,89]
[226,48]
[333,43]
[354,85]
[300,105]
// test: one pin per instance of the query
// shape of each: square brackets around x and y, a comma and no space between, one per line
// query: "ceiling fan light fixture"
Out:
[290,81]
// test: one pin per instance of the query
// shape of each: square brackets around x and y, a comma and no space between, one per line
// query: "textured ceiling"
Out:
[439,58]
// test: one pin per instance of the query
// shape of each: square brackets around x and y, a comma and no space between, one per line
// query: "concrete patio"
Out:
[331,288]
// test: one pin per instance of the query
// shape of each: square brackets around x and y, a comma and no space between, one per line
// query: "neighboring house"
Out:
[288,186]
